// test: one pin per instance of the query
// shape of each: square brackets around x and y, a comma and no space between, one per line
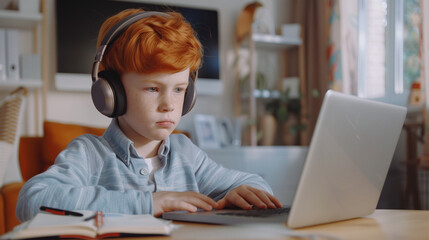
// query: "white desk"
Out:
[381,225]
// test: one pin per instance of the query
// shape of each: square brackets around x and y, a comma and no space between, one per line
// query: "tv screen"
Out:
[78,22]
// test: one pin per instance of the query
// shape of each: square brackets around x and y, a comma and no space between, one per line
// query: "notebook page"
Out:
[134,224]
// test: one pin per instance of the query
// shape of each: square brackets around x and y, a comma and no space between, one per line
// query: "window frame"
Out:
[394,82]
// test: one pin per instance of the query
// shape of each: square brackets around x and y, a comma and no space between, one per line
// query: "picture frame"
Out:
[206,131]
[226,131]
[230,131]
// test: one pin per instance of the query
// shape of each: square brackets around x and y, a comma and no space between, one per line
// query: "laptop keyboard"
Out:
[257,212]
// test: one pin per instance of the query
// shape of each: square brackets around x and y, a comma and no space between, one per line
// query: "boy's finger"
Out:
[202,201]
[275,200]
[267,198]
[241,203]
[183,206]
[238,200]
[233,199]
[253,198]
[221,204]
[201,204]
[264,198]
[203,198]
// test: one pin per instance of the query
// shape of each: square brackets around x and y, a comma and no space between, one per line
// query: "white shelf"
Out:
[16,19]
[19,20]
[263,94]
[275,41]
[28,83]
[277,44]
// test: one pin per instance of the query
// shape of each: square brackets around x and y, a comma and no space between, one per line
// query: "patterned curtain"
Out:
[334,47]
[345,79]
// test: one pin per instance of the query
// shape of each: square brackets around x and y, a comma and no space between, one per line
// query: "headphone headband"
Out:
[114,33]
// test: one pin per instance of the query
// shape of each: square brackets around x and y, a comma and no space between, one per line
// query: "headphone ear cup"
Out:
[190,97]
[108,94]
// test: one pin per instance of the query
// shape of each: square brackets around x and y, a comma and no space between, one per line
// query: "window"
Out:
[389,47]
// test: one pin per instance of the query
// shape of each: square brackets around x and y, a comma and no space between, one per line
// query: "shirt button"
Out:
[144,171]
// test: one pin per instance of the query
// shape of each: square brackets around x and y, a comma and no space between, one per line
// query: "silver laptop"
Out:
[344,172]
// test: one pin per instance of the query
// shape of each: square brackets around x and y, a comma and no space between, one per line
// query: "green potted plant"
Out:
[287,111]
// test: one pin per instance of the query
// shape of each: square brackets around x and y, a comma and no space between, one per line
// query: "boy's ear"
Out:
[108,94]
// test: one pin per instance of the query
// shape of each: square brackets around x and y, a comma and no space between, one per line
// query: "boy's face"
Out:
[154,104]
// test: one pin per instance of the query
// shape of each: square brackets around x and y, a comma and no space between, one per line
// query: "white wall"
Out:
[77,107]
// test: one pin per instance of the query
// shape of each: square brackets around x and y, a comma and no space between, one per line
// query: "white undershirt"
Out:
[153,164]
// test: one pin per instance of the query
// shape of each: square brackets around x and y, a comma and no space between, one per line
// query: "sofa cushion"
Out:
[10,194]
[30,157]
[58,135]
[2,215]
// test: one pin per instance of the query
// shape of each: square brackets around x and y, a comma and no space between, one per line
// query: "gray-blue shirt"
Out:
[106,173]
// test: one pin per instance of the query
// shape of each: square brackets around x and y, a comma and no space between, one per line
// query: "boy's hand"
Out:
[246,197]
[188,201]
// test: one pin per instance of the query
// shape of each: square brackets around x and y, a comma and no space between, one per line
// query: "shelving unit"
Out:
[18,20]
[275,41]
[31,26]
[28,83]
[262,42]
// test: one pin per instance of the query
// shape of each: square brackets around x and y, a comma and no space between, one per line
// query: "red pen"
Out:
[60,211]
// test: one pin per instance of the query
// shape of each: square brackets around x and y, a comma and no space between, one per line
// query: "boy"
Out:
[137,167]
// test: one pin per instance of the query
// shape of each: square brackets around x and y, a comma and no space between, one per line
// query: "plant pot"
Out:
[289,133]
[268,126]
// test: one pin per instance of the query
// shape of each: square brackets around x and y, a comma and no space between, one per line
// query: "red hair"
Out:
[151,45]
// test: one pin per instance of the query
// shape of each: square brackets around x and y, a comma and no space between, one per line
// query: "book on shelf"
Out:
[3,66]
[12,54]
[87,226]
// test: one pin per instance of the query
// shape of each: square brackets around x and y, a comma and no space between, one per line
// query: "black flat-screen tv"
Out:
[77,25]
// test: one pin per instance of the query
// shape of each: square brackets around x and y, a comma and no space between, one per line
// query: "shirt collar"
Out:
[164,149]
[122,146]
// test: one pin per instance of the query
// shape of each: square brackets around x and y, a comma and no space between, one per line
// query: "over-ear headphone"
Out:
[107,91]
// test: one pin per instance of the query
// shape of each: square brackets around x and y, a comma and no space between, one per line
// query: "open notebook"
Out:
[47,225]
[344,172]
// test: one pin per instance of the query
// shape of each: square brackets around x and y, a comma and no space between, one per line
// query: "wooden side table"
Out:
[414,130]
